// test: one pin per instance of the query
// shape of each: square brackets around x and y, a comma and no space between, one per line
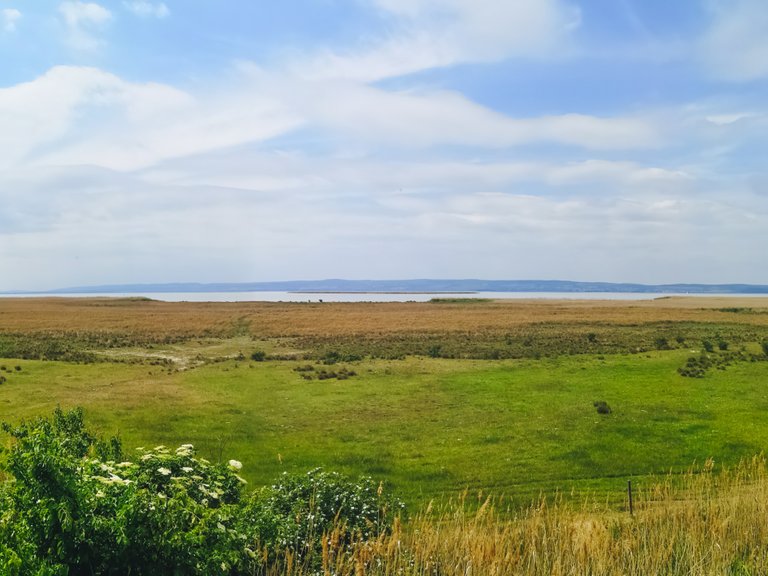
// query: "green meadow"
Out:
[429,427]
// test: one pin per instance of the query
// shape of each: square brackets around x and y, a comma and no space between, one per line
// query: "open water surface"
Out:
[368,296]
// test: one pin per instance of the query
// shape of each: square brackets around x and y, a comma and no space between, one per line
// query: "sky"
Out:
[255,140]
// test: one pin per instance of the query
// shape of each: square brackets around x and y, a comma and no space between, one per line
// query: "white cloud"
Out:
[9,18]
[84,20]
[77,115]
[735,48]
[422,119]
[437,33]
[147,9]
[622,173]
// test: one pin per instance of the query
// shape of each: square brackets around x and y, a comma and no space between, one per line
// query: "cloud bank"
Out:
[371,155]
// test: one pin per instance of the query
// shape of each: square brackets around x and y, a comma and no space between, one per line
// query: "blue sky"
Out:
[192,140]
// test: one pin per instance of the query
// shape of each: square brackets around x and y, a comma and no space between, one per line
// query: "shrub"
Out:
[71,512]
[435,351]
[602,407]
[694,368]
[74,506]
[334,356]
[708,346]
[258,356]
[300,511]
[722,345]
[662,343]
[764,345]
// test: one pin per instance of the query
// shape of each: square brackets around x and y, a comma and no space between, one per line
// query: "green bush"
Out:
[74,505]
[71,512]
[258,356]
[662,343]
[299,511]
[602,407]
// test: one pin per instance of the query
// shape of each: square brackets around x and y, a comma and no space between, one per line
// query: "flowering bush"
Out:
[70,512]
[74,505]
[302,514]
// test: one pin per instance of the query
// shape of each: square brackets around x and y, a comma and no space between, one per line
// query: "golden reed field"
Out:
[266,319]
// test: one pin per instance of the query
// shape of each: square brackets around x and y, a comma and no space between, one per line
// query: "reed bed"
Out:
[704,522]
[275,319]
[78,329]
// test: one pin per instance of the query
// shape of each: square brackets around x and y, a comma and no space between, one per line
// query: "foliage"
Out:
[258,356]
[75,507]
[661,343]
[300,512]
[602,407]
[698,366]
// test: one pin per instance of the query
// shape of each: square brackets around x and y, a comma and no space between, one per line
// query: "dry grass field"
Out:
[267,319]
[73,328]
[705,524]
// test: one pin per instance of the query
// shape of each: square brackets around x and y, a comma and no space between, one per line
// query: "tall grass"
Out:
[704,522]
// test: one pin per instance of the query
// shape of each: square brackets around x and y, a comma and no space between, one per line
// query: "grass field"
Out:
[516,425]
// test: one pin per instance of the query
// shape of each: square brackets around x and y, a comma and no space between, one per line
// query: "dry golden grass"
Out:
[264,319]
[708,523]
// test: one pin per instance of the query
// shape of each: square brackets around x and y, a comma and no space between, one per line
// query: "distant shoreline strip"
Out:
[376,292]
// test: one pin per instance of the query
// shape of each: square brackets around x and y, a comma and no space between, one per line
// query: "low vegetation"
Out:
[549,407]
[74,504]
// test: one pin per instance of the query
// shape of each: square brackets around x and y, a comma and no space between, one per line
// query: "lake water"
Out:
[367,297]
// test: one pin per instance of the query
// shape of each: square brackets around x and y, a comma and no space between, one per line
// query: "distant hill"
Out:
[422,285]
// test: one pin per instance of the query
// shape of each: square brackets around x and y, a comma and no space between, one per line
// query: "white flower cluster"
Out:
[106,474]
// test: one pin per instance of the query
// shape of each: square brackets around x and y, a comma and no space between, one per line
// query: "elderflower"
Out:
[185,450]
[235,464]
[164,471]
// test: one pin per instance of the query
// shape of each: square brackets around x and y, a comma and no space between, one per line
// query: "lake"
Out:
[367,296]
